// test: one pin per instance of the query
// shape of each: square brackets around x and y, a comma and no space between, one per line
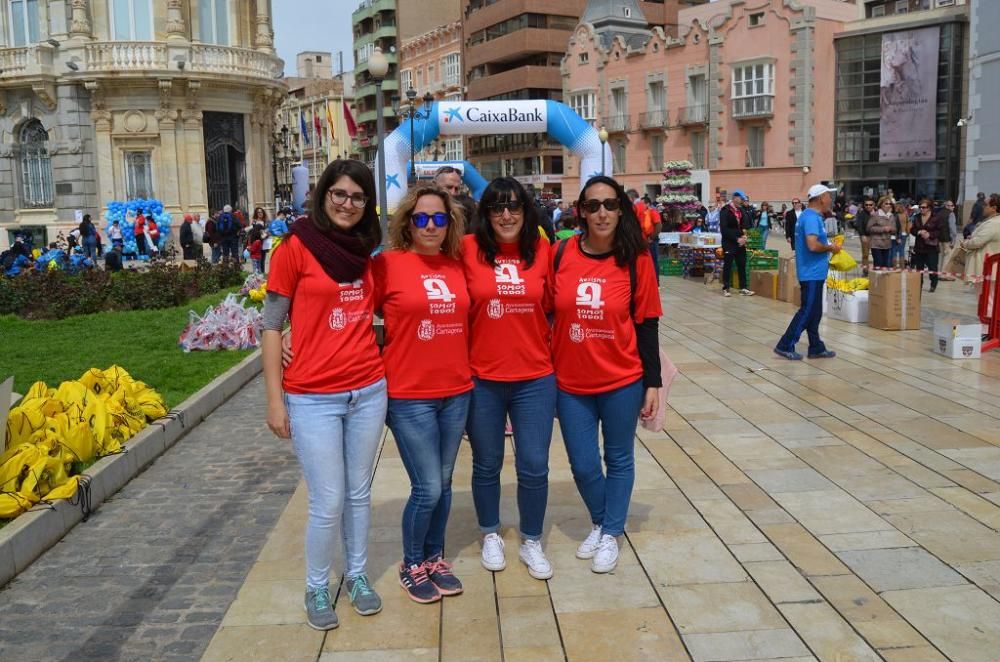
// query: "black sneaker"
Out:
[439,571]
[417,584]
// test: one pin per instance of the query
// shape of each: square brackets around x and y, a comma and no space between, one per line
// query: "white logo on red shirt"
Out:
[507,273]
[576,332]
[426,330]
[494,309]
[437,290]
[589,294]
[338,319]
[352,291]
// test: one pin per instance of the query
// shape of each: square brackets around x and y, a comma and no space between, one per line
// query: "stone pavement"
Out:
[151,574]
[840,510]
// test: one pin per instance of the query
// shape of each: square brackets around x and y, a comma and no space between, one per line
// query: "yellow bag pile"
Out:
[50,429]
[844,285]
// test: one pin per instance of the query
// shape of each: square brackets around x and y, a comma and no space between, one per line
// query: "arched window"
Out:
[36,168]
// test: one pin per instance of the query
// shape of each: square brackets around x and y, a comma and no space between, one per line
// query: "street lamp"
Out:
[413,114]
[602,135]
[378,67]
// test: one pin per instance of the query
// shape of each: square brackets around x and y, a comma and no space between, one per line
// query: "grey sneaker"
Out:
[319,609]
[364,598]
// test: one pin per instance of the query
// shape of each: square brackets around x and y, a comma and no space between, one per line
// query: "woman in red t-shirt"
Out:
[606,356]
[506,268]
[420,289]
[331,400]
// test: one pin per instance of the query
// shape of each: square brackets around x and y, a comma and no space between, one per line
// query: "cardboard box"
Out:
[670,238]
[687,237]
[764,283]
[956,340]
[894,301]
[848,306]
[787,280]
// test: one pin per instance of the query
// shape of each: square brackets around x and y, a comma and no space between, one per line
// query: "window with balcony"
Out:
[132,20]
[753,90]
[213,18]
[696,111]
[451,65]
[36,167]
[583,103]
[698,150]
[755,147]
[138,175]
[23,22]
[618,120]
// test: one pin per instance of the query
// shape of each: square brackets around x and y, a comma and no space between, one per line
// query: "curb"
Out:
[32,533]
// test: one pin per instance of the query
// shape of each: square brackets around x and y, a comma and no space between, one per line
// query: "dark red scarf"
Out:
[343,256]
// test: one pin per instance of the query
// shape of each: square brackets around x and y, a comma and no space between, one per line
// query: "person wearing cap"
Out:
[186,237]
[812,264]
[734,242]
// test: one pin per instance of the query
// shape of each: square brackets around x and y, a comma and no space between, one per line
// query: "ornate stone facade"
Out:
[102,97]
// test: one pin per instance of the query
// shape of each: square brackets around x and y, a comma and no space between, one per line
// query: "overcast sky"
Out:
[313,25]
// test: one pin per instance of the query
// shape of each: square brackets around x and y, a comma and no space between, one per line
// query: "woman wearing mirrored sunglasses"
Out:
[331,403]
[606,357]
[506,268]
[420,289]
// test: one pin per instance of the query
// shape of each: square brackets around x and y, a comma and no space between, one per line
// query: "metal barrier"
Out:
[989,302]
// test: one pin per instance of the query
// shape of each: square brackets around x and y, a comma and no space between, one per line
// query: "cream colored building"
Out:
[104,100]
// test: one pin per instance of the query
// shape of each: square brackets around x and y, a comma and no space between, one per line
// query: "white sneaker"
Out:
[606,556]
[747,293]
[589,546]
[493,557]
[533,556]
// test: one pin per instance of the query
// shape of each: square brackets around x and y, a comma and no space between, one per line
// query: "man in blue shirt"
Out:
[812,263]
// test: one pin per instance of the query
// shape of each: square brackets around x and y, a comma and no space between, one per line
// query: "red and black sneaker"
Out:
[417,584]
[440,573]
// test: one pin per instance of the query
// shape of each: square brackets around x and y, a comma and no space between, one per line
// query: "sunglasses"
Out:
[420,219]
[340,197]
[591,206]
[924,207]
[514,206]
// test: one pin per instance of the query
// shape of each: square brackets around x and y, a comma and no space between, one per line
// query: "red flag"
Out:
[319,128]
[352,128]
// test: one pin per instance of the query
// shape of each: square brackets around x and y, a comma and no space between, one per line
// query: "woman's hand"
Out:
[286,350]
[277,420]
[650,405]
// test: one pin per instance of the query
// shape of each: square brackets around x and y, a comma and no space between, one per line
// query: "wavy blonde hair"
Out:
[399,225]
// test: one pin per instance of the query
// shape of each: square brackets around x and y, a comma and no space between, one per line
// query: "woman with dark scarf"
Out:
[331,400]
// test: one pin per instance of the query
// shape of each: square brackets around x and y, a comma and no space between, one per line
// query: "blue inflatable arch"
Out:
[470,176]
[473,118]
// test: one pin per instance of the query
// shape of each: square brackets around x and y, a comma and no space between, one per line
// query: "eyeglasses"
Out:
[420,219]
[886,204]
[340,197]
[591,206]
[514,206]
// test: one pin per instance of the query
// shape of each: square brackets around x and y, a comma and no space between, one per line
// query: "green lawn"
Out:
[144,342]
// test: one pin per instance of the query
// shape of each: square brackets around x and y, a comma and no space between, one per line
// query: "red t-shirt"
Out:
[593,340]
[510,334]
[425,304]
[333,339]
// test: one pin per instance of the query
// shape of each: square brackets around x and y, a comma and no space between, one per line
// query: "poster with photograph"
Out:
[909,95]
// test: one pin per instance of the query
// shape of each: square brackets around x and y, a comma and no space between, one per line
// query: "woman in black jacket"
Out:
[734,242]
[927,227]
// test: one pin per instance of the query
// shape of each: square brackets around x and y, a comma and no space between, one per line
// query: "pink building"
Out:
[745,92]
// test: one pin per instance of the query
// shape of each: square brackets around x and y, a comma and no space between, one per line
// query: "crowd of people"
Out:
[482,327]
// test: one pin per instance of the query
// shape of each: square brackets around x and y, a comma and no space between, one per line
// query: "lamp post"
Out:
[378,67]
[602,135]
[413,114]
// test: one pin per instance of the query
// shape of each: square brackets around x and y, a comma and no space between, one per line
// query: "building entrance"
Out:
[225,161]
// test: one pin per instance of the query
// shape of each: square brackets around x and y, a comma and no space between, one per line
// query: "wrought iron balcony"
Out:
[748,108]
[654,119]
[695,115]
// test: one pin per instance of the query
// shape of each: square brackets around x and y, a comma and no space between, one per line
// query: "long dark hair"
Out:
[505,189]
[628,243]
[368,228]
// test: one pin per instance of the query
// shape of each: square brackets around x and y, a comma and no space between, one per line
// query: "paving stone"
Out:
[706,608]
[897,569]
[781,644]
[962,621]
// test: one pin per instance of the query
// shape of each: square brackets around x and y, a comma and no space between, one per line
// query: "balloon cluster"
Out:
[125,213]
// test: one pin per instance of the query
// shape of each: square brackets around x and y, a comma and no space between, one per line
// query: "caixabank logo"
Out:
[491,117]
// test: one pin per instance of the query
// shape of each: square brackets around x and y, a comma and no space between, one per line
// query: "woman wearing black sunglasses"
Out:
[506,268]
[420,289]
[606,356]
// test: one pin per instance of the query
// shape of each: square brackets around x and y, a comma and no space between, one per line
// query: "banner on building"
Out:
[908,128]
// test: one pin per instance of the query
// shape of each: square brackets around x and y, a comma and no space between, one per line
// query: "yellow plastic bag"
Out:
[842,261]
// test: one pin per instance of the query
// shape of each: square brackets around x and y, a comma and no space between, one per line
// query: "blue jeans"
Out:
[764,231]
[898,251]
[607,497]
[807,319]
[336,436]
[90,247]
[428,434]
[531,405]
[216,252]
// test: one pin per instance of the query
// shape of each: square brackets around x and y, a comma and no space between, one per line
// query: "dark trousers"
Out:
[880,256]
[739,256]
[654,252]
[806,319]
[927,261]
[190,252]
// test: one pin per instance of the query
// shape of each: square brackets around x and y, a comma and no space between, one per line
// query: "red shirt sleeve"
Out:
[285,268]
[647,291]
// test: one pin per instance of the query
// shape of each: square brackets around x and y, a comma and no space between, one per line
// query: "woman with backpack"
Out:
[606,357]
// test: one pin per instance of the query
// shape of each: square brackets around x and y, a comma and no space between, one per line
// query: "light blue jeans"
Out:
[336,436]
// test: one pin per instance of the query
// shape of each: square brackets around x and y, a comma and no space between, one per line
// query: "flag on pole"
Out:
[302,127]
[352,128]
[330,123]
[319,128]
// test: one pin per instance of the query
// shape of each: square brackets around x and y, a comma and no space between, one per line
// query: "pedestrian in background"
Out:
[881,229]
[734,242]
[88,237]
[927,228]
[791,218]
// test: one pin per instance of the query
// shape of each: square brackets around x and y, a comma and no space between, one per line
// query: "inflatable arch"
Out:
[477,118]
[470,176]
